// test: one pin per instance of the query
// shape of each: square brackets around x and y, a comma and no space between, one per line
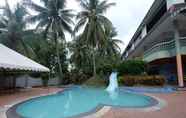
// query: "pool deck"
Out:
[174,107]
[8,100]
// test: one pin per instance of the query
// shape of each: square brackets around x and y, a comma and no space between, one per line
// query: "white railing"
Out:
[160,46]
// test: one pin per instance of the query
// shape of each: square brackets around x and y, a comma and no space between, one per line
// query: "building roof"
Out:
[11,60]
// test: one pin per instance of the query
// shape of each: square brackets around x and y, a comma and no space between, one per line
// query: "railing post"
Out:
[178,54]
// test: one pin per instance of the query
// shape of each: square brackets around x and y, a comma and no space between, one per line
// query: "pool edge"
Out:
[11,112]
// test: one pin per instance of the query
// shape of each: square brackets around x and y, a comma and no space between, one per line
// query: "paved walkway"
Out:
[175,105]
[6,101]
[175,108]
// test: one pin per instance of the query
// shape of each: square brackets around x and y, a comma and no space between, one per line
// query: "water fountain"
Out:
[113,83]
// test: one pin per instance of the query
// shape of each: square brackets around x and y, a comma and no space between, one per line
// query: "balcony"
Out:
[164,24]
[164,49]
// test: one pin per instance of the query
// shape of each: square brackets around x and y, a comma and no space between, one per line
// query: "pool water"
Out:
[75,101]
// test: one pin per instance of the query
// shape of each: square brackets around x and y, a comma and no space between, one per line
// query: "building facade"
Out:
[160,40]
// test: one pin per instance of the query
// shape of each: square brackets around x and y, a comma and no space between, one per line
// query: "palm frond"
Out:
[84,4]
[82,14]
[104,6]
[79,25]
[34,6]
[7,11]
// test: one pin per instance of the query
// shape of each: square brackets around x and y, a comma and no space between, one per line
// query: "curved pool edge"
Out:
[161,103]
[97,111]
[11,112]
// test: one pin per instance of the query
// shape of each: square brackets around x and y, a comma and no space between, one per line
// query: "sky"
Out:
[126,16]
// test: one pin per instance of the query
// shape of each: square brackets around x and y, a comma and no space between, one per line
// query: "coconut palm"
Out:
[94,23]
[111,48]
[13,28]
[53,18]
[80,56]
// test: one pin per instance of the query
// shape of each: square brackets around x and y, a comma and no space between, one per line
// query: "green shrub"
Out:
[132,67]
[120,80]
[142,80]
[129,81]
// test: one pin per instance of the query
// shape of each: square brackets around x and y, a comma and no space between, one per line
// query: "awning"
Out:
[11,60]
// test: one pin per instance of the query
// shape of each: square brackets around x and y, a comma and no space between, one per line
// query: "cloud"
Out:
[126,15]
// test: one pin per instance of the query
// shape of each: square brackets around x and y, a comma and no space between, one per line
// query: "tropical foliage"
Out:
[153,80]
[94,25]
[54,19]
[93,51]
[13,28]
[132,67]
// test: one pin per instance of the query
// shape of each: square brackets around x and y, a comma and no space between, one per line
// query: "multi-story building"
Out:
[160,40]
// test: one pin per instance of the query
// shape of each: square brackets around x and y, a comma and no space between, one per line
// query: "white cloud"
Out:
[126,15]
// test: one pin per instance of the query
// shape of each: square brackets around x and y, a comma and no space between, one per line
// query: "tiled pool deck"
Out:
[175,106]
[6,101]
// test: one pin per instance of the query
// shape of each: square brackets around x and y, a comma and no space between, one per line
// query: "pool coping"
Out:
[11,112]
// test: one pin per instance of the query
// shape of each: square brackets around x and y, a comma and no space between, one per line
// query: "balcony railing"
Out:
[183,41]
[160,46]
[159,50]
[164,49]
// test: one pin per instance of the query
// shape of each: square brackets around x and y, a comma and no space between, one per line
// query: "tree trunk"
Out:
[59,63]
[94,63]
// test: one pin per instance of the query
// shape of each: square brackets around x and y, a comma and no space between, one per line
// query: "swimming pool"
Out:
[78,101]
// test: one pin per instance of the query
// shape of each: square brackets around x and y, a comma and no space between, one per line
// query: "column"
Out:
[178,54]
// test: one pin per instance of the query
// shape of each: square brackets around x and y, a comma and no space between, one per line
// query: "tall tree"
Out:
[92,19]
[53,18]
[13,28]
[45,53]
[80,55]
[111,47]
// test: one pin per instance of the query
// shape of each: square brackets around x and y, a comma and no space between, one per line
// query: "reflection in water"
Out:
[113,95]
[68,102]
[69,95]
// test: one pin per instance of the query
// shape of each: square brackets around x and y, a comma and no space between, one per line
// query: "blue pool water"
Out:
[166,89]
[79,100]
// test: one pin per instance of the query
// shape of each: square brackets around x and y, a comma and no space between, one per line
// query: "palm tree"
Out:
[80,54]
[53,18]
[13,28]
[111,47]
[95,24]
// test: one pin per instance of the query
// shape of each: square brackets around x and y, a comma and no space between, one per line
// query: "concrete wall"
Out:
[144,32]
[5,82]
[26,81]
[172,2]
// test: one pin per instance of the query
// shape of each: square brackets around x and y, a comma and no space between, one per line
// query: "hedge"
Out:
[132,67]
[155,80]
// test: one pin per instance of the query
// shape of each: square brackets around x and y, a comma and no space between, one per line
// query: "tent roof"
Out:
[11,60]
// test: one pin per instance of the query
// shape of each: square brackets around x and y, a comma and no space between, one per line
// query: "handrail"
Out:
[162,44]
[182,38]
[158,45]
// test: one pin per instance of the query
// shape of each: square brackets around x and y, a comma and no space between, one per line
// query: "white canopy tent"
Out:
[11,60]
